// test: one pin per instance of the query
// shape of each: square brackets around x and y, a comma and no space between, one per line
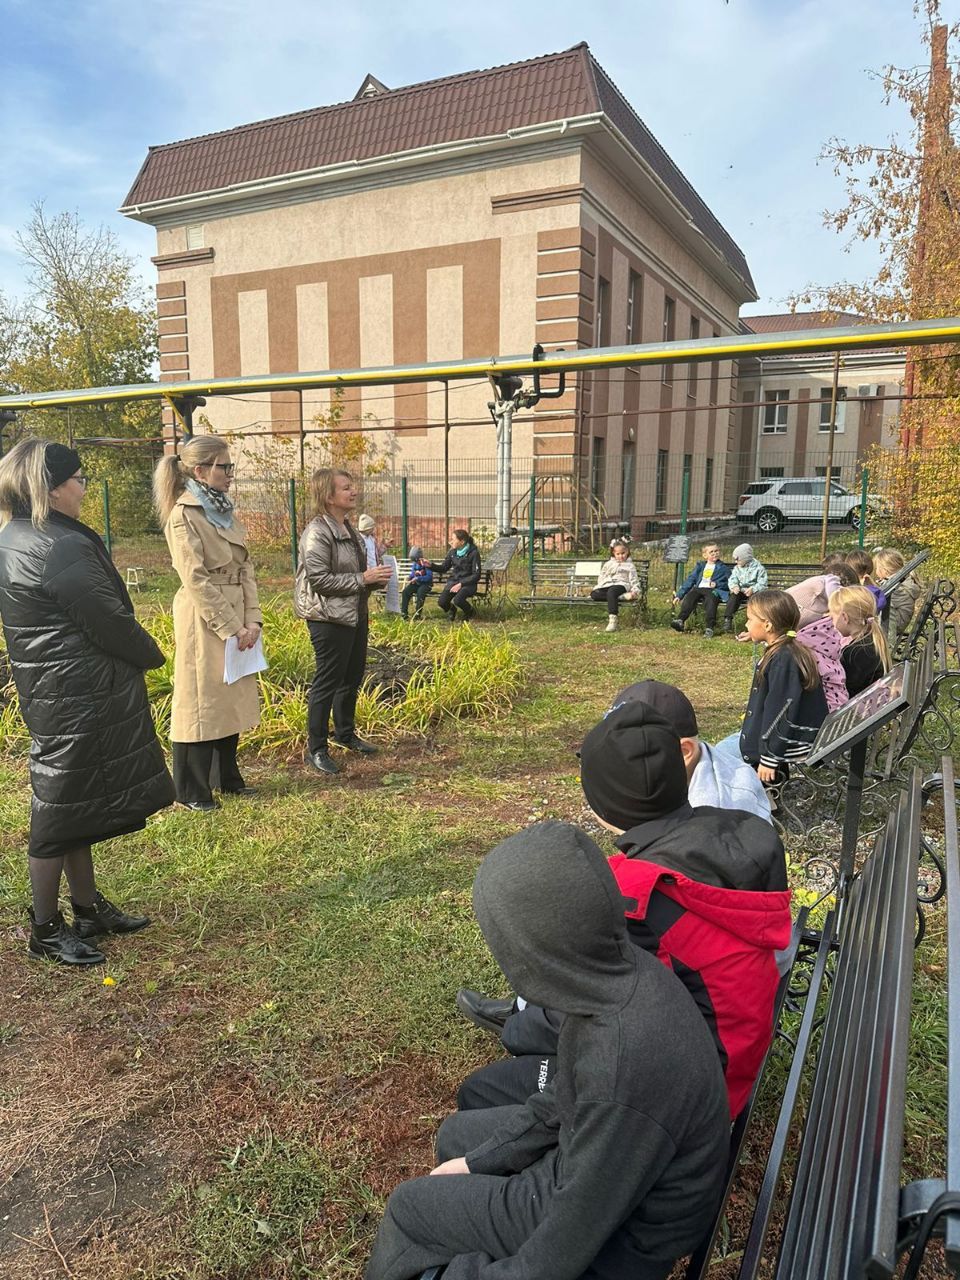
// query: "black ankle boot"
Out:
[103,917]
[56,940]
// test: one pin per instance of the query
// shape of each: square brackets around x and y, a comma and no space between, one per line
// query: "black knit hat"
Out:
[675,707]
[61,463]
[631,768]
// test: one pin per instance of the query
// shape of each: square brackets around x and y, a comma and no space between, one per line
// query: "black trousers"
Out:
[429,1221]
[611,594]
[711,602]
[737,601]
[341,654]
[419,589]
[449,600]
[199,767]
[507,1082]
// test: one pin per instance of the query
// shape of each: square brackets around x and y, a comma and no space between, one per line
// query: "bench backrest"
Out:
[844,1205]
[781,576]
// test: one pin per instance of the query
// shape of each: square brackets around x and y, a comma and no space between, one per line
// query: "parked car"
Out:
[770,504]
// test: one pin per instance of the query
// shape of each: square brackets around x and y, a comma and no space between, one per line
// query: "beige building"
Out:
[783,428]
[470,216]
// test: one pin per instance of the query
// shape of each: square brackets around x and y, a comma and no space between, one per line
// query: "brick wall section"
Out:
[566,271]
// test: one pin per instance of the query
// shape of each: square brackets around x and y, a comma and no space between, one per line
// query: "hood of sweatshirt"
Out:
[552,916]
[758,919]
[723,847]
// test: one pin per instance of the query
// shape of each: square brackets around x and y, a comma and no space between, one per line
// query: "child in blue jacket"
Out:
[747,578]
[420,583]
[708,582]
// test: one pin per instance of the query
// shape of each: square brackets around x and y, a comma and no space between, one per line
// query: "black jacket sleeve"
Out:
[79,582]
[778,708]
[861,666]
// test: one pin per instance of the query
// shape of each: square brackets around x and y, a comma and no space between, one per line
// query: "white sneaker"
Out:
[613,622]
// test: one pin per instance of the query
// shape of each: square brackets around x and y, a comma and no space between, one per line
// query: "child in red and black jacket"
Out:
[709,898]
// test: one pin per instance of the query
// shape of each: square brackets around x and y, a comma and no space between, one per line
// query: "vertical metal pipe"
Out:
[303,435]
[292,508]
[833,428]
[862,530]
[446,465]
[684,508]
[531,526]
[108,540]
[405,519]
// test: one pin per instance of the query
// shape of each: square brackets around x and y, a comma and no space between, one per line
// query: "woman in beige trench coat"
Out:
[217,600]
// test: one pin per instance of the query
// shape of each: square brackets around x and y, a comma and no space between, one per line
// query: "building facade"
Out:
[471,216]
[783,425]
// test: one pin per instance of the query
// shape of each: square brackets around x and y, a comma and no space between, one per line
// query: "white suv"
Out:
[770,504]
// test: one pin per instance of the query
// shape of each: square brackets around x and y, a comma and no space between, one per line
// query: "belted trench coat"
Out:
[218,596]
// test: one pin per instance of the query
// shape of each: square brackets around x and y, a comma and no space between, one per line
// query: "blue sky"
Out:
[741,94]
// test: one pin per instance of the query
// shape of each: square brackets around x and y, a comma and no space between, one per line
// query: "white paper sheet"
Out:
[238,663]
[391,602]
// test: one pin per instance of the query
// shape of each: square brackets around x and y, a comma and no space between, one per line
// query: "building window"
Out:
[196,236]
[708,485]
[603,318]
[826,394]
[660,497]
[715,374]
[597,468]
[691,367]
[634,309]
[775,413]
[822,471]
[771,473]
[669,331]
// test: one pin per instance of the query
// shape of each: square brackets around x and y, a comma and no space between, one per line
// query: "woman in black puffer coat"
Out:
[78,656]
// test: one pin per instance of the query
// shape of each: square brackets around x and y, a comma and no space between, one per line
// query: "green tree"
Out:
[87,321]
[904,196]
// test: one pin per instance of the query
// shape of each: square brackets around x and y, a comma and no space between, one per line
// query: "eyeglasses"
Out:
[227,468]
[83,480]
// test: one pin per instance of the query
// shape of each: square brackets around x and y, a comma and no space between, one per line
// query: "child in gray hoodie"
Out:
[747,577]
[616,1169]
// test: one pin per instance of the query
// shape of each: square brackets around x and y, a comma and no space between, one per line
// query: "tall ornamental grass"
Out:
[453,672]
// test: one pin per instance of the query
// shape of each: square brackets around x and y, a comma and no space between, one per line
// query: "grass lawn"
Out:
[236,1093]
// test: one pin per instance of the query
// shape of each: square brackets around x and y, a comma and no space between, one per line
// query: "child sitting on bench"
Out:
[617,1168]
[618,581]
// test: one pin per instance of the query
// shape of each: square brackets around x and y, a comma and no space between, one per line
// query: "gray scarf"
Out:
[216,504]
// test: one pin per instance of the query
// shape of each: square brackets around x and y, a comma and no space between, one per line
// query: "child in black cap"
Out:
[712,902]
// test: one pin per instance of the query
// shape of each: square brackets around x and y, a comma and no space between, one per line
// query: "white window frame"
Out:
[772,401]
[826,395]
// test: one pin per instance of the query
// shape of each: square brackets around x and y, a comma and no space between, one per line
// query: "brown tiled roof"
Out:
[787,322]
[477,104]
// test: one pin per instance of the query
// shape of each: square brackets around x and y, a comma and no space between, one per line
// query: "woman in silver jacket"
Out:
[333,583]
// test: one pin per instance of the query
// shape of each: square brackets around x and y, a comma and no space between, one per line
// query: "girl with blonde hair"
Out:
[217,600]
[903,599]
[78,656]
[787,705]
[865,657]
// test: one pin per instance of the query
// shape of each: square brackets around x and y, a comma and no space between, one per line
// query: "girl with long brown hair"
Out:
[786,706]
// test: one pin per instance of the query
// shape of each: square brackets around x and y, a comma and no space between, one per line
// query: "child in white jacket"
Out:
[618,581]
[747,577]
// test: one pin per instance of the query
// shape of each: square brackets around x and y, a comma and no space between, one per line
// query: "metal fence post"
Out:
[864,481]
[531,526]
[405,518]
[684,508]
[108,541]
[292,508]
